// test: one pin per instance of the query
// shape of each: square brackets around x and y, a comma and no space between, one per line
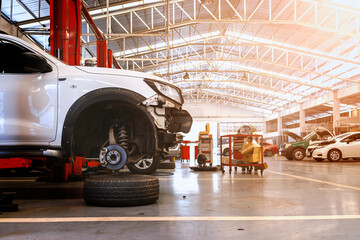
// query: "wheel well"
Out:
[296,148]
[87,124]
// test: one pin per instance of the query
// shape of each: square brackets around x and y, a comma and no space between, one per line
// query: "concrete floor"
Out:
[292,200]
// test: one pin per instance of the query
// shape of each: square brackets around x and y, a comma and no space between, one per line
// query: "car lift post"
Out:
[65,33]
[65,30]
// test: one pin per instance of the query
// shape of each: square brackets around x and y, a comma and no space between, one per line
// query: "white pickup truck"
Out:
[48,108]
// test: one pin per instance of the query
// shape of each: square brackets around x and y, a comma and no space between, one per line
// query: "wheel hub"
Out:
[334,155]
[113,157]
[298,155]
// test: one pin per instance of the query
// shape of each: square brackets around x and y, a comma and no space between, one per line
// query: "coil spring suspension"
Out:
[123,139]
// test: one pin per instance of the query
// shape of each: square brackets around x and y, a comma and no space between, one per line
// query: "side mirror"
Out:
[33,63]
[89,63]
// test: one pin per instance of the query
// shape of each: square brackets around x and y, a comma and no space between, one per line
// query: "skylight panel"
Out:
[18,12]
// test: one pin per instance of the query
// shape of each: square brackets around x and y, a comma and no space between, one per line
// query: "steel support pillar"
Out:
[302,121]
[336,114]
[265,130]
[65,30]
[280,129]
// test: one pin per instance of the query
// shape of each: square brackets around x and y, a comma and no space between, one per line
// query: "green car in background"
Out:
[297,150]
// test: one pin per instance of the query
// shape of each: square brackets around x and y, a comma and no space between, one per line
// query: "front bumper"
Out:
[178,120]
[319,153]
[171,119]
[310,150]
[286,151]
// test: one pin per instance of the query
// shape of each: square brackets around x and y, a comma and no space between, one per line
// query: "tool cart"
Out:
[245,151]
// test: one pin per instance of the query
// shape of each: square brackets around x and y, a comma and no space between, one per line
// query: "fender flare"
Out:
[96,96]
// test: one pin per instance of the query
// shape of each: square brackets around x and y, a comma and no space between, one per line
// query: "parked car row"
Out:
[321,145]
[297,150]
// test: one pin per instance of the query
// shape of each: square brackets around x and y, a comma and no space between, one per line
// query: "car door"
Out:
[28,98]
[351,146]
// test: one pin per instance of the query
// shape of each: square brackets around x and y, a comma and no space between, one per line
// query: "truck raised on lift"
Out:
[53,110]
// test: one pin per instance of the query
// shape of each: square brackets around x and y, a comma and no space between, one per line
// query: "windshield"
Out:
[340,136]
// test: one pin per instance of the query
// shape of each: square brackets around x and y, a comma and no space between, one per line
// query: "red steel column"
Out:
[110,58]
[59,29]
[65,30]
[75,26]
[102,53]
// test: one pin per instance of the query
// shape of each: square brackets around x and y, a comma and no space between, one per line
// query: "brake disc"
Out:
[113,157]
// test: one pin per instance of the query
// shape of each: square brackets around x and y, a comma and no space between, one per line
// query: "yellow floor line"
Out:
[176,219]
[315,180]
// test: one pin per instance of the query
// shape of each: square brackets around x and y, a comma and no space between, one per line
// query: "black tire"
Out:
[145,166]
[226,152]
[298,154]
[319,159]
[269,153]
[201,159]
[289,157]
[121,190]
[167,165]
[334,155]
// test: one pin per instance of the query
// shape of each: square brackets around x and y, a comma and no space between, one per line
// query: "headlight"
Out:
[166,90]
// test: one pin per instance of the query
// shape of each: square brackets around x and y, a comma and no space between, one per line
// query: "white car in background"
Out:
[348,146]
[320,144]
